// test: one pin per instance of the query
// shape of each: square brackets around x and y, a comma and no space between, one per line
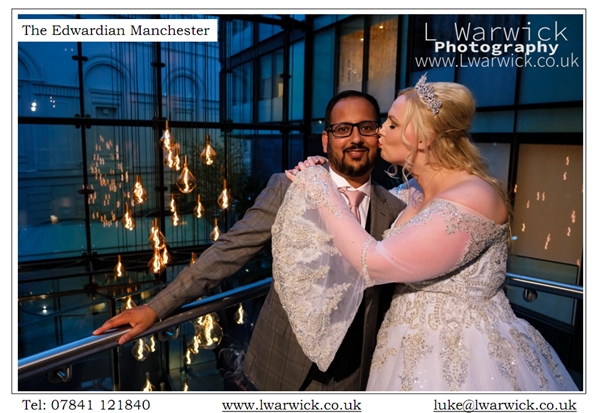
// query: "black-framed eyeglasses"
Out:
[345,129]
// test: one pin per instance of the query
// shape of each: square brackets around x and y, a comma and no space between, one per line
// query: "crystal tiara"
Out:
[425,91]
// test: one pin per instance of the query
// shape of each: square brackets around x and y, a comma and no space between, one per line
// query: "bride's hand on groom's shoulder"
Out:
[310,161]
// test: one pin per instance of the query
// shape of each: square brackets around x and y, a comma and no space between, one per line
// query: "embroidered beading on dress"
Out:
[454,330]
[301,252]
[443,311]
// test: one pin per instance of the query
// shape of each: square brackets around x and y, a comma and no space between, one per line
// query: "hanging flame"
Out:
[152,344]
[139,350]
[129,303]
[240,315]
[174,215]
[156,238]
[140,195]
[165,257]
[148,386]
[547,242]
[155,263]
[189,357]
[216,232]
[128,221]
[167,141]
[172,159]
[199,208]
[225,198]
[208,155]
[186,181]
[119,270]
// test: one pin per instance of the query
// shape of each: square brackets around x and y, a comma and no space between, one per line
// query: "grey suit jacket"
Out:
[274,360]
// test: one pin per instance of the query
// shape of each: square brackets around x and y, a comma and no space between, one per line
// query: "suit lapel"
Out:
[380,214]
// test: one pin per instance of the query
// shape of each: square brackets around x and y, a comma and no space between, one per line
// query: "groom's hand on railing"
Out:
[139,318]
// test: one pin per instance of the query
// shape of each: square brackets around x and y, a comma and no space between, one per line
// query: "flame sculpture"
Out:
[193,260]
[208,155]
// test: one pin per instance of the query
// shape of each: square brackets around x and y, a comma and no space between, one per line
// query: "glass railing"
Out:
[98,363]
[200,348]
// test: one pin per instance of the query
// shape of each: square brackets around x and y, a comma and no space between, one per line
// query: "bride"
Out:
[450,326]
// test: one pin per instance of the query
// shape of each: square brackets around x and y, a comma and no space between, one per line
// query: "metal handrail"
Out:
[546,286]
[66,354]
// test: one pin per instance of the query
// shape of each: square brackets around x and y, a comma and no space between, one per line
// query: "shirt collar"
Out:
[340,181]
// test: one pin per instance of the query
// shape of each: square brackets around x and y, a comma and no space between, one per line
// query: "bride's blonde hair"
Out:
[445,135]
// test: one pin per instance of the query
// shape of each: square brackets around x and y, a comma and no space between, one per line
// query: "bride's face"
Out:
[394,148]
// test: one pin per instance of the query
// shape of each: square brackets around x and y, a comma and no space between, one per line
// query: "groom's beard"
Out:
[345,165]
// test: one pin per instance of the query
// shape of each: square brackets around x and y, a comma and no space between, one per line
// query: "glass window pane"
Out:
[296,83]
[51,216]
[485,68]
[270,103]
[323,72]
[562,69]
[550,120]
[267,30]
[548,208]
[501,121]
[241,94]
[383,50]
[497,158]
[47,79]
[439,65]
[240,36]
[352,37]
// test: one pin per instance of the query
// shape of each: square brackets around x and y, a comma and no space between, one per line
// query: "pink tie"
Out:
[354,198]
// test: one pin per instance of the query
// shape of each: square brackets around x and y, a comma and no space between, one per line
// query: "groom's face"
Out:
[354,156]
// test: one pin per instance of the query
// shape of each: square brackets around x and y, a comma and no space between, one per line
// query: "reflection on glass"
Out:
[351,55]
[140,350]
[148,386]
[546,203]
[382,59]
[119,270]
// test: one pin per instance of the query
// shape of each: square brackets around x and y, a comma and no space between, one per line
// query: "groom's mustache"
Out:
[356,148]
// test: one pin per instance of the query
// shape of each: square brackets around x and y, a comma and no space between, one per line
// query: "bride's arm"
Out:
[435,241]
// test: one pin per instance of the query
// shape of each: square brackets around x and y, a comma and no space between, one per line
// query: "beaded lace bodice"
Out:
[450,260]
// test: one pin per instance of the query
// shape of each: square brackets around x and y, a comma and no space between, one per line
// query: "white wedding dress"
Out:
[450,326]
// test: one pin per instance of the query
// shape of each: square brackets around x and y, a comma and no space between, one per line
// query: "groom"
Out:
[274,360]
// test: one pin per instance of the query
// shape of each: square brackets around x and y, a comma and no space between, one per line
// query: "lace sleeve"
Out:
[317,287]
[323,258]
